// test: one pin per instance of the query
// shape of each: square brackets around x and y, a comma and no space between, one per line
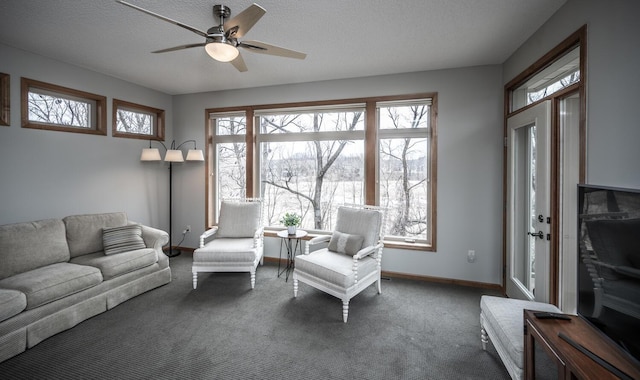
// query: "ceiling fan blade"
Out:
[174,22]
[243,21]
[239,64]
[180,47]
[262,48]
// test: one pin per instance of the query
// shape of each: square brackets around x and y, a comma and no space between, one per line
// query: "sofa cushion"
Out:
[345,243]
[363,222]
[239,250]
[122,239]
[238,219]
[84,232]
[12,302]
[115,265]
[334,267]
[31,245]
[52,282]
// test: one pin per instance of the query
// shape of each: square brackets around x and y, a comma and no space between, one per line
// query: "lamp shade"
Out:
[150,154]
[195,155]
[222,51]
[174,155]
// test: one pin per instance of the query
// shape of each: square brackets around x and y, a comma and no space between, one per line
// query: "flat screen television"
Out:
[609,263]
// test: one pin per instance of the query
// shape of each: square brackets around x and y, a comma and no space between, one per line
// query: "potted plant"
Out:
[291,220]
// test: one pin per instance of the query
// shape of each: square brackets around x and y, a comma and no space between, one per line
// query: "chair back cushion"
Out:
[364,222]
[239,219]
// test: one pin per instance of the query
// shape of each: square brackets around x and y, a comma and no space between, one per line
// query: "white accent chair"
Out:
[236,244]
[351,261]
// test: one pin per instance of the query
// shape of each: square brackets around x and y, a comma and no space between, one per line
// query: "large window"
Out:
[311,158]
[48,106]
[137,121]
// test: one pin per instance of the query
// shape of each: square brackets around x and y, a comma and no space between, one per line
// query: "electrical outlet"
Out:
[186,230]
[471,256]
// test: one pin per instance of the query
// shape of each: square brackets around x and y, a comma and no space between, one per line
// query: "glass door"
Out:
[528,210]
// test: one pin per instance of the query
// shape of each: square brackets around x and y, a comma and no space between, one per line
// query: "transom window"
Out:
[137,121]
[311,158]
[48,106]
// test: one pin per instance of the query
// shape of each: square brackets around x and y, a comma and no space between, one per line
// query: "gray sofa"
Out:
[56,273]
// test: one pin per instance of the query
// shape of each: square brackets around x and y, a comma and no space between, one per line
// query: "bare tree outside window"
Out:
[315,173]
[404,171]
[134,122]
[231,158]
[51,109]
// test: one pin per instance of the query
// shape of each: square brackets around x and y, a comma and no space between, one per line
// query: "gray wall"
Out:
[49,174]
[469,162]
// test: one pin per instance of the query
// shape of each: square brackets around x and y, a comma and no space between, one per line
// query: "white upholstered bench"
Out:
[502,322]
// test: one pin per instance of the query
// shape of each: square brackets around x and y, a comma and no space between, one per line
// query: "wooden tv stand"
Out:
[570,361]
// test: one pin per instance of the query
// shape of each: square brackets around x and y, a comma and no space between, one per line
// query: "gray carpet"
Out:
[225,330]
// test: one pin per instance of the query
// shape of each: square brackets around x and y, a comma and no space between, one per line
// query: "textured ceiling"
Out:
[342,39]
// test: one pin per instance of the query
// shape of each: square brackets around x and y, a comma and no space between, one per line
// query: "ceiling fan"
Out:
[221,41]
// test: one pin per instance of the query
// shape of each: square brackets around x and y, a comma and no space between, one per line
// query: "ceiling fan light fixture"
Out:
[222,51]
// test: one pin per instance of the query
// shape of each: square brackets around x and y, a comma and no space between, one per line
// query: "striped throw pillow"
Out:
[122,239]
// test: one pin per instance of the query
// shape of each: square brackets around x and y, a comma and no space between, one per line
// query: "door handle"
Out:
[539,234]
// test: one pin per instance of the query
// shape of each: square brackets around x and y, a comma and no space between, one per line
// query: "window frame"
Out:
[99,115]
[371,148]
[157,123]
[5,109]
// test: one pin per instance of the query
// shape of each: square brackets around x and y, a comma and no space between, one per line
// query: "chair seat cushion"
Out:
[239,250]
[12,302]
[118,264]
[506,318]
[333,267]
[52,282]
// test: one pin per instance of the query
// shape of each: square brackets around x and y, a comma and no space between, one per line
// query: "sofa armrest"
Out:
[154,238]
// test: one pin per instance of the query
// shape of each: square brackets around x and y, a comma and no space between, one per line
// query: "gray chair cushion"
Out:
[53,282]
[363,222]
[122,239]
[12,302]
[333,267]
[116,265]
[31,245]
[236,250]
[84,232]
[239,219]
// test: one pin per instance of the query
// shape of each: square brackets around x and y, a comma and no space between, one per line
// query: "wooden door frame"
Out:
[578,38]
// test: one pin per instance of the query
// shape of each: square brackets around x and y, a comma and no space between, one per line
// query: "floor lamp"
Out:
[174,154]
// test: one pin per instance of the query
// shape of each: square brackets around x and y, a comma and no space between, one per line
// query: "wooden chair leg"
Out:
[253,279]
[295,286]
[195,279]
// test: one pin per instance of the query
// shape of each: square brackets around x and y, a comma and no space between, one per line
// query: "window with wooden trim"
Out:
[137,121]
[53,107]
[5,115]
[310,158]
